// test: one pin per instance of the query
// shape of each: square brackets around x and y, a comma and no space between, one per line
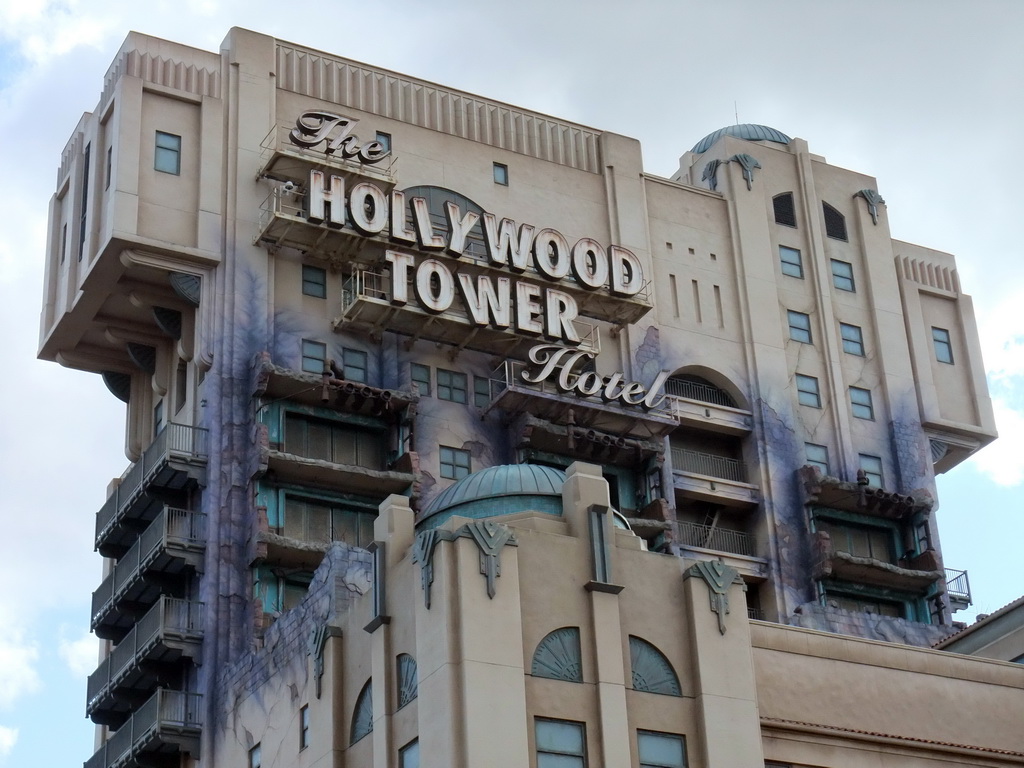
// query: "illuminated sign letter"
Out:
[424,229]
[528,308]
[400,232]
[401,265]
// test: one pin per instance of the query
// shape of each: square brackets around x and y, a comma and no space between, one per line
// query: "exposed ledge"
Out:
[826,491]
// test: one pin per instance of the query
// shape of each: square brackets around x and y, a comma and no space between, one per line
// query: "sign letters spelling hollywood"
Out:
[491,300]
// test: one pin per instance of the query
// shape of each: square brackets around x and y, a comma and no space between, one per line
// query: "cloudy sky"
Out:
[923,94]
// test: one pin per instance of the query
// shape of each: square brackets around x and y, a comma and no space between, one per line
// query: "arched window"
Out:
[785,210]
[698,388]
[436,197]
[408,682]
[362,715]
[558,656]
[651,671]
[835,222]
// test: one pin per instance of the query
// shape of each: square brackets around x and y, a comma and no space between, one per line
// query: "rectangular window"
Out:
[501,174]
[842,275]
[451,385]
[872,468]
[256,757]
[799,326]
[110,164]
[560,744]
[860,604]
[807,391]
[792,264]
[63,243]
[481,391]
[334,441]
[85,201]
[860,402]
[853,339]
[180,385]
[455,463]
[661,750]
[384,139]
[420,375]
[314,282]
[409,755]
[167,155]
[943,345]
[860,540]
[314,356]
[319,521]
[354,363]
[158,417]
[817,456]
[303,728]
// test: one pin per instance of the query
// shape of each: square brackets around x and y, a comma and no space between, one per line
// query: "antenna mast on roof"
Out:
[737,111]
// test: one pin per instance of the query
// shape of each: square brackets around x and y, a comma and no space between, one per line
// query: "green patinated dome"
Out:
[495,491]
[748,131]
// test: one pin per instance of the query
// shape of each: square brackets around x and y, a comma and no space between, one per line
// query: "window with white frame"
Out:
[455,463]
[799,326]
[560,744]
[853,339]
[807,392]
[860,403]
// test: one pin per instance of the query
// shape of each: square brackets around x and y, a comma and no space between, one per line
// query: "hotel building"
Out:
[457,439]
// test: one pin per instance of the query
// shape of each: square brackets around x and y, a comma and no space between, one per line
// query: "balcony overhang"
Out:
[580,442]
[282,160]
[824,491]
[716,490]
[545,402]
[128,277]
[710,417]
[341,477]
[953,443]
[368,309]
[286,552]
[277,383]
[865,570]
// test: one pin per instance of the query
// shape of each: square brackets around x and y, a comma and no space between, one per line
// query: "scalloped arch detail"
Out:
[651,671]
[558,656]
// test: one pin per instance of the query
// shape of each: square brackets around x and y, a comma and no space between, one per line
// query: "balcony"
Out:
[283,160]
[835,563]
[709,542]
[173,542]
[168,724]
[713,478]
[175,458]
[283,221]
[367,308]
[958,589]
[170,631]
[707,407]
[302,470]
[511,393]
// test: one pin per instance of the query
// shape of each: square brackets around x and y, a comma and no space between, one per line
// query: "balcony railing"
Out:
[174,441]
[685,460]
[713,537]
[167,718]
[177,532]
[958,587]
[694,390]
[171,622]
[366,297]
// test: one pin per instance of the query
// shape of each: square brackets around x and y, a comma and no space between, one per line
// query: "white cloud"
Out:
[80,655]
[8,738]
[18,674]
[1003,460]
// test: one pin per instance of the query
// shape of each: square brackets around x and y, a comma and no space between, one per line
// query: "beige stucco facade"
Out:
[324,289]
